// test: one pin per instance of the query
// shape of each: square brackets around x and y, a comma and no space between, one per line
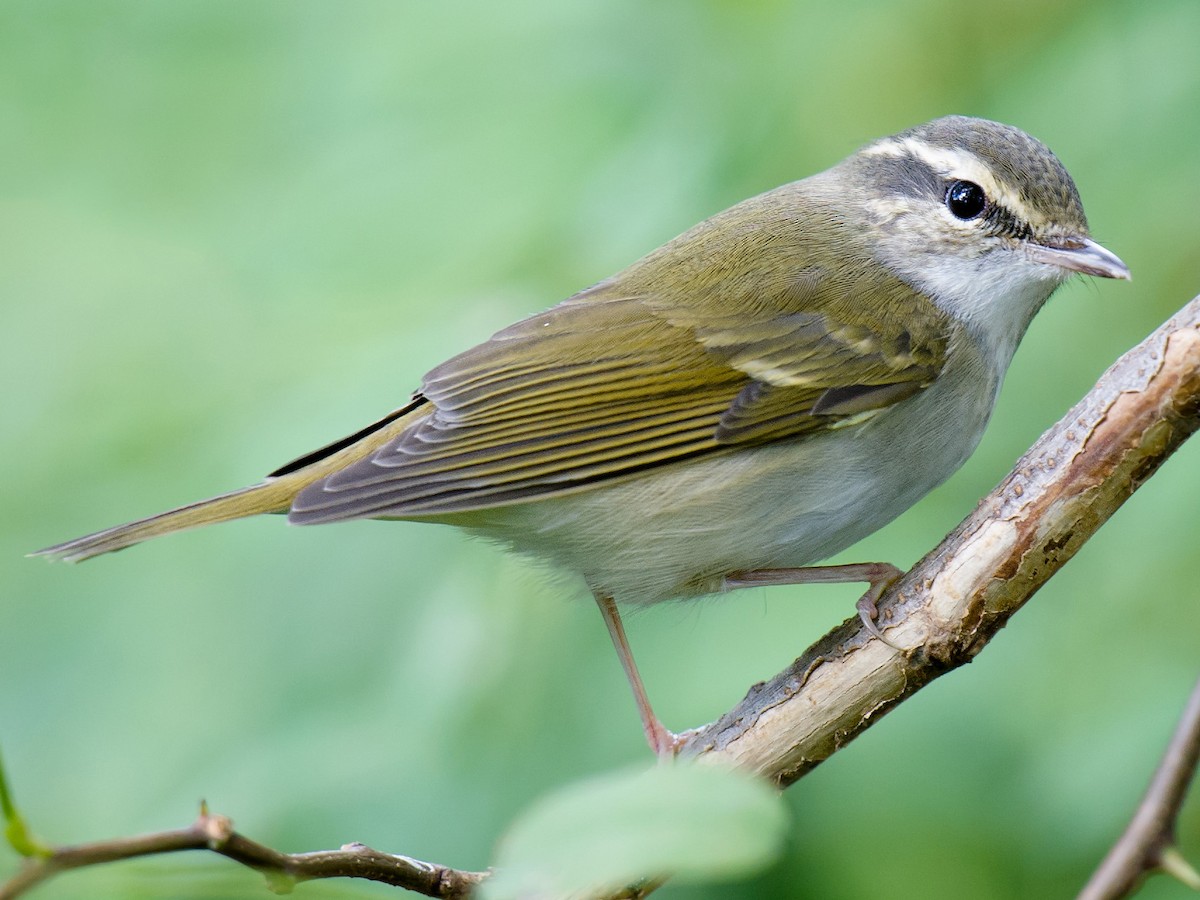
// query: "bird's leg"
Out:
[880,576]
[663,742]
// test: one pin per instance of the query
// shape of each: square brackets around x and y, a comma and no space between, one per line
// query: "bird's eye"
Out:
[965,199]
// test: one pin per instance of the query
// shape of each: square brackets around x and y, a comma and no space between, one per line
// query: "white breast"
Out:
[675,532]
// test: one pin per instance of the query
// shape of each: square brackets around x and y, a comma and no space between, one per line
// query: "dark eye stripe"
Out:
[1002,220]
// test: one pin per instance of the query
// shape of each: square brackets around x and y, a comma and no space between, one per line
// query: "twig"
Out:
[215,833]
[1149,841]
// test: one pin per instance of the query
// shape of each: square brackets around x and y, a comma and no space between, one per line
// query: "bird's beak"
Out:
[1082,255]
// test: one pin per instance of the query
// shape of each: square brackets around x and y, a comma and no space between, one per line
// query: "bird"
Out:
[754,396]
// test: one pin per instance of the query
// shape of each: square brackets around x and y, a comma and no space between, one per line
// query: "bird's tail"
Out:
[270,496]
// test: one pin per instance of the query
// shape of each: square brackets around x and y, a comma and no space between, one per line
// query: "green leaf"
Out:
[15,831]
[693,822]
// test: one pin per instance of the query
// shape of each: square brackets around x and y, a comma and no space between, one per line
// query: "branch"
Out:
[282,870]
[936,618]
[955,600]
[1149,841]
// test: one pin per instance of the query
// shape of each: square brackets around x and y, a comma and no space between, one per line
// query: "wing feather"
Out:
[617,381]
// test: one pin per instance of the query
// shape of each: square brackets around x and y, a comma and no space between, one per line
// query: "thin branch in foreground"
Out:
[1148,843]
[282,870]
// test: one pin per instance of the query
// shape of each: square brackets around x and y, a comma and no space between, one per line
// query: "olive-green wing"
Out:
[607,386]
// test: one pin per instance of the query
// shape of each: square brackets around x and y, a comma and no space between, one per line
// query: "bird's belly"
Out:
[675,532]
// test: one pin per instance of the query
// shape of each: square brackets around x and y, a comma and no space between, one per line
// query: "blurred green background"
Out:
[233,231]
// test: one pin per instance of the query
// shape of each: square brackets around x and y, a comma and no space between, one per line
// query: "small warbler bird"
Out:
[754,396]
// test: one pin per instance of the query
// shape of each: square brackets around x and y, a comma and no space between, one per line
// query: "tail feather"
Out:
[271,496]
